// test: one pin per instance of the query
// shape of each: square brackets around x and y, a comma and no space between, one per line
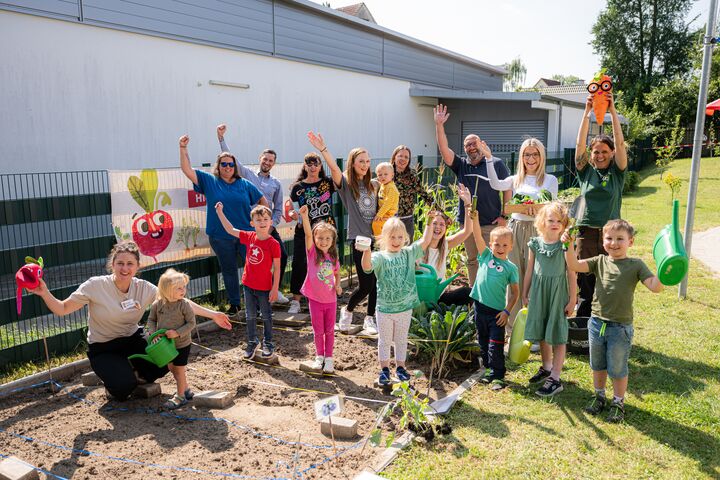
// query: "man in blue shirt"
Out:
[271,190]
[471,171]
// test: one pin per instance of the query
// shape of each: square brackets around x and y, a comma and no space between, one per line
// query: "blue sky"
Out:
[550,36]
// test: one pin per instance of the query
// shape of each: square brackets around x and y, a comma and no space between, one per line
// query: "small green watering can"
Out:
[429,286]
[519,350]
[669,252]
[161,352]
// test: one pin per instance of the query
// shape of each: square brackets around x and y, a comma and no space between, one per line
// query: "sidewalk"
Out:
[705,248]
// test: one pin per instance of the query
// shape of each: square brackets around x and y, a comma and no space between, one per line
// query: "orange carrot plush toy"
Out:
[600,89]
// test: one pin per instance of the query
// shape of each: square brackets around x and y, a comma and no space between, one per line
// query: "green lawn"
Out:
[672,429]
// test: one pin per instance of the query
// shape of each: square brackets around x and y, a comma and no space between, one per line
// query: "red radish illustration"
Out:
[152,231]
[28,276]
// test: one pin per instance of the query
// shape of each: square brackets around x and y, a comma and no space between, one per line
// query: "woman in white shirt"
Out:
[529,180]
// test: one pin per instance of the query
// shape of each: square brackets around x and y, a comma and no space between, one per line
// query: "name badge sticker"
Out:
[129,304]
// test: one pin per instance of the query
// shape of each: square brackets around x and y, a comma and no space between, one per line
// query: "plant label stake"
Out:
[327,408]
[47,359]
[477,180]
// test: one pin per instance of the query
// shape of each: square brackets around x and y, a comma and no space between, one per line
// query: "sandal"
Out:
[189,394]
[175,402]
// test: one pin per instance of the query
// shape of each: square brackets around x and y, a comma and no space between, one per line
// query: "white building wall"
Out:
[78,97]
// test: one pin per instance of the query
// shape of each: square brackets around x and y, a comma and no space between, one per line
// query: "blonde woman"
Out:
[529,180]
[359,194]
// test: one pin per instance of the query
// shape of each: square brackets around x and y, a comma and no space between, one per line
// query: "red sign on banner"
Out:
[196,199]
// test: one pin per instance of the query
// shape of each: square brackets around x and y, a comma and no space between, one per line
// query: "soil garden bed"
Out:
[269,432]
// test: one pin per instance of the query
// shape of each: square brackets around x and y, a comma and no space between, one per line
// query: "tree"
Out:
[566,79]
[642,42]
[515,77]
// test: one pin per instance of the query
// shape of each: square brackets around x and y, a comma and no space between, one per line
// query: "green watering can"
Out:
[161,352]
[429,286]
[519,350]
[669,252]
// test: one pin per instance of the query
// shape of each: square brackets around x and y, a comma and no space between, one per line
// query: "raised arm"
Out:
[571,257]
[318,142]
[58,307]
[366,261]
[244,171]
[441,116]
[621,159]
[426,238]
[459,237]
[581,154]
[477,233]
[306,226]
[653,284]
[506,184]
[185,160]
[225,222]
[219,318]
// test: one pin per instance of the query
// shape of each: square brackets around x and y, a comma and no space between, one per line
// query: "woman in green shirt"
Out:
[601,172]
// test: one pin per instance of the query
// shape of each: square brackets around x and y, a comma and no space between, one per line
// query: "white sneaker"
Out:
[345,319]
[370,326]
[328,367]
[294,307]
[318,362]
[282,299]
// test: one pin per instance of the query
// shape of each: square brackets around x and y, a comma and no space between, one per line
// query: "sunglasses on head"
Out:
[312,161]
[227,164]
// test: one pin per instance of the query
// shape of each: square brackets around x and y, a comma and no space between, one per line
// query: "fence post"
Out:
[512,163]
[569,164]
[420,160]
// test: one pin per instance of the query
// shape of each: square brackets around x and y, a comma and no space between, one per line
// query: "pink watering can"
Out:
[28,276]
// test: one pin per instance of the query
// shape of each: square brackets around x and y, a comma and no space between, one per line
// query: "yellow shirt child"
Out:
[388,196]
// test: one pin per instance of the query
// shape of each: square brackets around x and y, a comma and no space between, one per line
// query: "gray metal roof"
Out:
[420,91]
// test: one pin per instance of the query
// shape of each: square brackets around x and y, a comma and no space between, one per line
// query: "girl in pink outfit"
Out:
[321,287]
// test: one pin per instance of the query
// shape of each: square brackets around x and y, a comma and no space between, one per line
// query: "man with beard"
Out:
[271,190]
[471,171]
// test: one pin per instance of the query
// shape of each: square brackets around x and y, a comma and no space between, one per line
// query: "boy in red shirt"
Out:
[261,277]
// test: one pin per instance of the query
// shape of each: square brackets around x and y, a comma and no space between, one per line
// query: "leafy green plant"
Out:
[632,180]
[569,194]
[445,334]
[674,183]
[413,415]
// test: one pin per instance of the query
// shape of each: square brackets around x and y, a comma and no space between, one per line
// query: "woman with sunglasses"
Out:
[529,180]
[224,185]
[314,189]
[358,192]
[601,173]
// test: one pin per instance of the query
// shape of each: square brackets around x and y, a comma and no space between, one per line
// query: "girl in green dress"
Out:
[549,291]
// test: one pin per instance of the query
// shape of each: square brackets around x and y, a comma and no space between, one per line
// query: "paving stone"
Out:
[213,399]
[147,390]
[90,379]
[274,360]
[13,469]
[343,428]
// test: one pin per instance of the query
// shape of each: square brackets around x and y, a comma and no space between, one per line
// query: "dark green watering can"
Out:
[669,252]
[161,352]
[429,286]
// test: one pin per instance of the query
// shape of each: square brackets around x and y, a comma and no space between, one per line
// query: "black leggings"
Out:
[109,361]
[367,284]
[283,253]
[456,296]
[299,263]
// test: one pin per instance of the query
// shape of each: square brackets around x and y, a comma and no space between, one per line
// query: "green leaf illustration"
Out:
[164,199]
[150,185]
[136,188]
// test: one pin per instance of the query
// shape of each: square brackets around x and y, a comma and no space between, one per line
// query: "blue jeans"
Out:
[227,251]
[491,338]
[610,349]
[253,300]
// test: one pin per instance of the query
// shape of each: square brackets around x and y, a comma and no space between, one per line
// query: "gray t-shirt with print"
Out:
[361,211]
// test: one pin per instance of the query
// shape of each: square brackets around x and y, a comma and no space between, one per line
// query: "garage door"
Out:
[504,136]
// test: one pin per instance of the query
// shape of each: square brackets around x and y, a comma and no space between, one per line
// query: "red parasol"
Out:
[712,106]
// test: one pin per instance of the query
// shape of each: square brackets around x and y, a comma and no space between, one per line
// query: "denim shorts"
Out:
[610,349]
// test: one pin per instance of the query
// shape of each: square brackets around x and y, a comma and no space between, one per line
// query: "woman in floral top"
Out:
[409,186]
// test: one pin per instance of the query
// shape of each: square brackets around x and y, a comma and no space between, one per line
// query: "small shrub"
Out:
[632,180]
[674,183]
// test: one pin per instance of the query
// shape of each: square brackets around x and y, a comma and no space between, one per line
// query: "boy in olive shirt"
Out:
[610,329]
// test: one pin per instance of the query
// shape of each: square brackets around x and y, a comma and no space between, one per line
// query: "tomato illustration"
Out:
[152,232]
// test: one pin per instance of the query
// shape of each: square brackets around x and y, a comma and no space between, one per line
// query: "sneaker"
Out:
[282,299]
[369,325]
[402,374]
[384,379]
[317,364]
[345,319]
[175,402]
[294,307]
[189,394]
[596,405]
[267,350]
[497,384]
[617,412]
[250,350]
[233,310]
[549,388]
[541,374]
[329,366]
[488,377]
